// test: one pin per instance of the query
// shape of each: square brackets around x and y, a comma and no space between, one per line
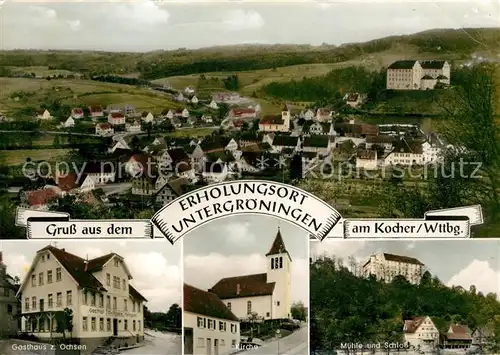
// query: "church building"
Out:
[263,296]
[276,123]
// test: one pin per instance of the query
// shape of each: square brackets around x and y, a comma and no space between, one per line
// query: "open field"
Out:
[193,132]
[17,93]
[16,157]
[40,71]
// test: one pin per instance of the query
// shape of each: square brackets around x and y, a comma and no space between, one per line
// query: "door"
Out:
[216,346]
[188,341]
[115,326]
[209,346]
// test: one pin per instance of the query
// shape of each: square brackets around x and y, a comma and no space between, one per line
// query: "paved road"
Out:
[294,344]
[158,343]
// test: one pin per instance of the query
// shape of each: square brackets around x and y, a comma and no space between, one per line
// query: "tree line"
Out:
[349,308]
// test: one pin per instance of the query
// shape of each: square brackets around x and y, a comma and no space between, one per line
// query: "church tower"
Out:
[279,265]
[286,117]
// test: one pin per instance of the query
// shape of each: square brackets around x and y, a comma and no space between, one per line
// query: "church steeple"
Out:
[278,246]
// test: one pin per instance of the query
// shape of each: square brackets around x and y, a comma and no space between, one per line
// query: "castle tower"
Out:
[279,265]
[286,117]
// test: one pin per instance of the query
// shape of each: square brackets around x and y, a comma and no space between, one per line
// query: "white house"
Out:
[188,90]
[281,142]
[194,100]
[44,115]
[184,113]
[318,128]
[420,331]
[366,159]
[323,115]
[384,141]
[439,70]
[209,325]
[214,172]
[147,117]
[309,115]
[432,149]
[276,123]
[213,105]
[232,145]
[102,172]
[98,291]
[104,130]
[266,295]
[385,267]
[354,99]
[179,97]
[405,153]
[207,119]
[70,122]
[77,113]
[116,118]
[134,126]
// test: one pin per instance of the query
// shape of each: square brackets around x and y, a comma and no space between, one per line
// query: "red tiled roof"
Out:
[68,182]
[41,197]
[366,154]
[238,123]
[206,303]
[104,125]
[241,111]
[95,109]
[77,110]
[458,332]
[243,286]
[276,119]
[116,115]
[412,325]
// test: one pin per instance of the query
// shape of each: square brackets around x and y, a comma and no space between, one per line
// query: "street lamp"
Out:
[278,334]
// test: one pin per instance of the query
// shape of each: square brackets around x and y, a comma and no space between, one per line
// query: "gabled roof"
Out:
[285,141]
[278,246]
[96,108]
[178,186]
[136,294]
[205,303]
[406,146]
[116,115]
[272,119]
[366,154]
[41,197]
[412,325]
[243,286]
[68,182]
[402,259]
[402,64]
[458,332]
[178,154]
[432,64]
[77,110]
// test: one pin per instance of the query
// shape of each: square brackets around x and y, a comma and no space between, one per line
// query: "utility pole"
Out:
[278,335]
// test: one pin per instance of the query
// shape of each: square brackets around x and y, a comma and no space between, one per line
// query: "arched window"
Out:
[249,307]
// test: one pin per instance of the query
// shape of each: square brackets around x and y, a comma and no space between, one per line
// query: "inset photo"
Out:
[92,297]
[405,297]
[246,288]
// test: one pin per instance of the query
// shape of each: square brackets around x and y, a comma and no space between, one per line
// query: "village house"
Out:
[354,99]
[147,117]
[188,90]
[385,142]
[74,183]
[214,172]
[120,145]
[309,115]
[10,308]
[276,123]
[41,198]
[232,145]
[104,130]
[129,111]
[44,115]
[213,105]
[457,337]
[192,120]
[243,113]
[171,158]
[281,142]
[266,295]
[316,144]
[134,126]
[437,69]
[318,128]
[420,332]
[102,172]
[249,162]
[483,336]
[344,150]
[77,113]
[70,122]
[168,113]
[171,190]
[179,97]
[98,291]
[405,153]
[249,138]
[366,159]
[116,118]
[209,325]
[184,113]
[226,97]
[194,100]
[207,118]
[385,267]
[432,149]
[96,111]
[237,124]
[323,115]
[113,109]
[175,122]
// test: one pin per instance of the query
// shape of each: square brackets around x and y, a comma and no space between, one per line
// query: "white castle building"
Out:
[105,307]
[385,267]
[266,295]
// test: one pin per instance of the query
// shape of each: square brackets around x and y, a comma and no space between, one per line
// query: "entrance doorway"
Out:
[216,346]
[115,326]
[188,341]
[209,346]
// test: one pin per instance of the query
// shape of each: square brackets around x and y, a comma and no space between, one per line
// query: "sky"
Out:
[454,262]
[237,245]
[144,25]
[155,265]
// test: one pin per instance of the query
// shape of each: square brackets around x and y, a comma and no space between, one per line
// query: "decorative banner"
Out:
[474,213]
[22,215]
[51,228]
[282,201]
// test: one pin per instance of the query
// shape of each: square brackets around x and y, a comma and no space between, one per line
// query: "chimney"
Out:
[238,289]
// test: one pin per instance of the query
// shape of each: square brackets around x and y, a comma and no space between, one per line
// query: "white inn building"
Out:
[420,331]
[105,307]
[209,326]
[264,296]
[385,267]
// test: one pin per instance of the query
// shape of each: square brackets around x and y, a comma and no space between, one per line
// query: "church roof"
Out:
[243,286]
[278,246]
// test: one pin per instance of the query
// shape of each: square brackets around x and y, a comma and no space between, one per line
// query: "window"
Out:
[233,328]
[9,309]
[33,302]
[124,284]
[210,324]
[85,297]
[125,324]
[59,299]
[92,299]
[33,280]
[133,325]
[281,262]
[133,306]
[40,278]
[125,305]
[267,314]
[108,279]
[101,324]
[84,324]
[108,302]
[27,304]
[92,324]
[249,307]
[229,305]
[69,298]
[222,326]
[116,282]
[58,274]
[48,256]
[114,302]
[200,322]
[49,276]
[200,343]
[108,324]
[116,262]
[51,300]
[277,303]
[139,325]
[43,258]
[101,300]
[272,263]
